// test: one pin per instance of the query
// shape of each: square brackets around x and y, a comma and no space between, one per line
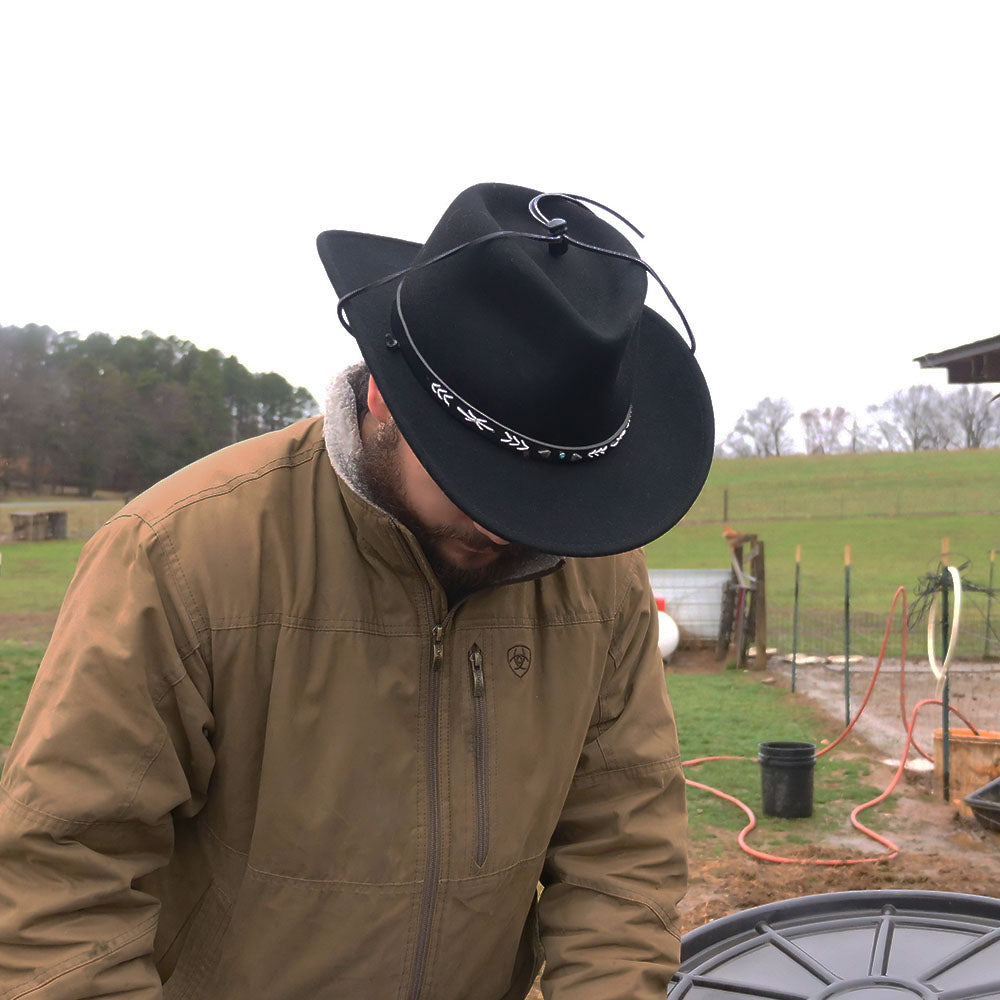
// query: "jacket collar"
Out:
[342,434]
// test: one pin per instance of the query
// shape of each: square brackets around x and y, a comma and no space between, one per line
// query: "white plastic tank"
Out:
[669,635]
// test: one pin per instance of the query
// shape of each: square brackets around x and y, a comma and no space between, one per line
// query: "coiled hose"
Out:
[908,721]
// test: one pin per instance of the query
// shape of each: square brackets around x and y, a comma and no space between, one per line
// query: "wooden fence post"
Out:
[760,636]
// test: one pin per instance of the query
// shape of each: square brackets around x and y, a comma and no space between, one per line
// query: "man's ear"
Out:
[376,404]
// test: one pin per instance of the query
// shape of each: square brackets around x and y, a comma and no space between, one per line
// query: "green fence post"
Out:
[847,635]
[989,602]
[795,613]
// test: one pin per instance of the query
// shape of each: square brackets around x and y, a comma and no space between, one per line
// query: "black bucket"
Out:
[874,945]
[786,778]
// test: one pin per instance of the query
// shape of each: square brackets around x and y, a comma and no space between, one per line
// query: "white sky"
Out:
[819,183]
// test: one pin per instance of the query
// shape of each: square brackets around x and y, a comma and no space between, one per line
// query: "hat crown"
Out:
[542,343]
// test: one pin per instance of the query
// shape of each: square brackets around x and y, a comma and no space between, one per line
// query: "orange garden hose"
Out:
[858,825]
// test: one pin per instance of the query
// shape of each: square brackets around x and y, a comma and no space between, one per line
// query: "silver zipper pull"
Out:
[478,677]
[438,635]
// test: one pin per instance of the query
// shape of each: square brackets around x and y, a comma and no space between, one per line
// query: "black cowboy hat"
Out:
[520,363]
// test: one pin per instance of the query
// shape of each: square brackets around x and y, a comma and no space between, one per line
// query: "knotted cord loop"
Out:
[558,239]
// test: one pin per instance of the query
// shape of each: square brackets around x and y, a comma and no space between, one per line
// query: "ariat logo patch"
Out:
[519,659]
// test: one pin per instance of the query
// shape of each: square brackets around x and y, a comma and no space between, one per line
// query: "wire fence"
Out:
[821,631]
[860,497]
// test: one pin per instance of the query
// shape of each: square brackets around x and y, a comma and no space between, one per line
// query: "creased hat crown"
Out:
[538,341]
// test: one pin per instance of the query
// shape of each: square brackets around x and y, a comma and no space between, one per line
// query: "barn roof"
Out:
[975,362]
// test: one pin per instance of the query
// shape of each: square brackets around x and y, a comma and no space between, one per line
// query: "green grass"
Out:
[18,664]
[876,485]
[796,501]
[34,575]
[730,713]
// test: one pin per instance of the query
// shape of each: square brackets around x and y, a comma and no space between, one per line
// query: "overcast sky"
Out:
[819,183]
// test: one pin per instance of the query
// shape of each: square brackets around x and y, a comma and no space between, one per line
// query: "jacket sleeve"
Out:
[617,862]
[112,742]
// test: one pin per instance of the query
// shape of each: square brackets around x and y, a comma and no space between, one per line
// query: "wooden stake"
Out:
[847,555]
[760,595]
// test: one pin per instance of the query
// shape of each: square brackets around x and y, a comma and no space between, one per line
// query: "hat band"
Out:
[500,434]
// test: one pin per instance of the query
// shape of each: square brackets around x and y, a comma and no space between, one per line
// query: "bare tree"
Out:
[824,430]
[977,423]
[914,419]
[734,446]
[761,429]
[862,437]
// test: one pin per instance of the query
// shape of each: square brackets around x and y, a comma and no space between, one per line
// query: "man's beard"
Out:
[380,471]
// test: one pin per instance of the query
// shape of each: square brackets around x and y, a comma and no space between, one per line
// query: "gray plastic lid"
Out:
[890,945]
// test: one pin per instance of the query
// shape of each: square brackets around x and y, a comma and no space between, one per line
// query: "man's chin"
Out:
[466,557]
[460,569]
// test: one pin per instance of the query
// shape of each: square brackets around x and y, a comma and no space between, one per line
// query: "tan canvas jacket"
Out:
[263,759]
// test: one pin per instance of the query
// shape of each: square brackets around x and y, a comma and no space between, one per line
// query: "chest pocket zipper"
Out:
[481,749]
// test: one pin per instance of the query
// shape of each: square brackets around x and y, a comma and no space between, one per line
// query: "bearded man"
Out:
[323,709]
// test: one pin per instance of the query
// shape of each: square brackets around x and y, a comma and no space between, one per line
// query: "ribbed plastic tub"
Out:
[974,759]
[891,945]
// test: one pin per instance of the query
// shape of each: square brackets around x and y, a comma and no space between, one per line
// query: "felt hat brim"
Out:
[628,497]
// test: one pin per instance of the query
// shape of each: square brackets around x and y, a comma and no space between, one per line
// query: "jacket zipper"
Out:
[481,751]
[434,823]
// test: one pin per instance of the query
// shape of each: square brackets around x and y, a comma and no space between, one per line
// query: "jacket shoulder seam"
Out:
[295,459]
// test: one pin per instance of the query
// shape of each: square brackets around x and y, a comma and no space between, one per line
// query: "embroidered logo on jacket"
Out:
[519,659]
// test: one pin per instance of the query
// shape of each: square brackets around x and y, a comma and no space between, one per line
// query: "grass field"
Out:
[872,485]
[34,576]
[784,500]
[18,665]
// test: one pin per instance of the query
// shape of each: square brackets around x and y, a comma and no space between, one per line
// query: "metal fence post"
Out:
[795,613]
[847,635]
[945,722]
[989,602]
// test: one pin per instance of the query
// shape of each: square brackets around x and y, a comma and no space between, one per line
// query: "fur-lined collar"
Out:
[345,400]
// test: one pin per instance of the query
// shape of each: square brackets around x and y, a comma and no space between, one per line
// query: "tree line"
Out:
[88,413]
[919,418]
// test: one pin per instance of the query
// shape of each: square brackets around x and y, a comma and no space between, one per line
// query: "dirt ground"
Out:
[28,626]
[939,849]
[974,689]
